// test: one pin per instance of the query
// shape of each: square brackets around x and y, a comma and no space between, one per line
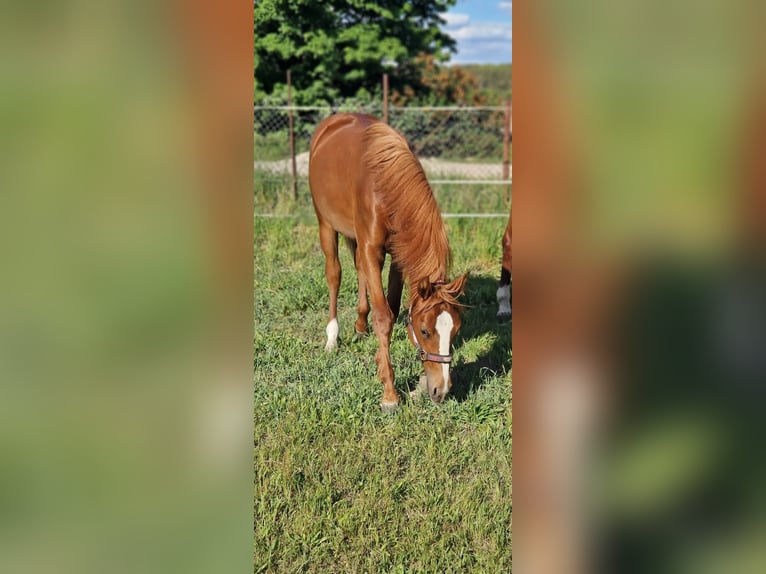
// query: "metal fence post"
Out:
[292,135]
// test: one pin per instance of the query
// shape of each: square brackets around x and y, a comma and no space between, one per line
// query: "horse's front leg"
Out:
[382,321]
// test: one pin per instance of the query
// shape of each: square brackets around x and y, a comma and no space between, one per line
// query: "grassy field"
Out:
[341,487]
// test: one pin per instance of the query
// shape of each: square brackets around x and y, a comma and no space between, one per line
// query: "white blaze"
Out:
[332,335]
[444,328]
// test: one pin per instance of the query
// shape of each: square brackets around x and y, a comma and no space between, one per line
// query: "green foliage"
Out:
[341,487]
[340,49]
[426,82]
[459,135]
[495,80]
[453,135]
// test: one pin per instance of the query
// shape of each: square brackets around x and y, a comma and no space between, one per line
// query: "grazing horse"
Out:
[504,312]
[368,186]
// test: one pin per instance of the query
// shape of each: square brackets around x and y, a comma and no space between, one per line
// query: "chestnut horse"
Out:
[368,186]
[504,312]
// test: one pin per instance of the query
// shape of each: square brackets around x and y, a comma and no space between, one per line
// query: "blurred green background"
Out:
[124,423]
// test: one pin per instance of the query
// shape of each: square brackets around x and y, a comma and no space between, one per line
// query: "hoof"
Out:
[389,407]
[330,347]
[504,317]
[358,335]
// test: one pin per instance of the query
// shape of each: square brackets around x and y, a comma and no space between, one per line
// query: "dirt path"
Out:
[435,168]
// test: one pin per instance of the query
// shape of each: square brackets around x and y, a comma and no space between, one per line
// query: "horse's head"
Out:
[432,321]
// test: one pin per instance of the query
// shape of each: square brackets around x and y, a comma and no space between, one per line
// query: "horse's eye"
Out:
[424,331]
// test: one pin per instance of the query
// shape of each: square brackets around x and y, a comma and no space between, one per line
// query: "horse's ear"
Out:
[456,287]
[425,288]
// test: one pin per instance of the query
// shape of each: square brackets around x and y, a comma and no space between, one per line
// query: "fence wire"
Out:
[456,145]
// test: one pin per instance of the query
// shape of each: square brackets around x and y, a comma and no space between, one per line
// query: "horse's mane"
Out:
[418,240]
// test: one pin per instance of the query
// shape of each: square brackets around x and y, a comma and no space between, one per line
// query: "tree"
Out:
[341,48]
[424,81]
[495,80]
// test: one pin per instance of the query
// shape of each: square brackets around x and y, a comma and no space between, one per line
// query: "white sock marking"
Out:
[332,335]
[504,300]
[444,328]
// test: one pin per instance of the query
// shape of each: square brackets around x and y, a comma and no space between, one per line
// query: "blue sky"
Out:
[482,29]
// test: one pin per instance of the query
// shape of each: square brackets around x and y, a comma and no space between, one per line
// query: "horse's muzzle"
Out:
[437,395]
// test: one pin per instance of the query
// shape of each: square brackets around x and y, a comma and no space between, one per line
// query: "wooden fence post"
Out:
[507,141]
[507,148]
[385,98]
[294,181]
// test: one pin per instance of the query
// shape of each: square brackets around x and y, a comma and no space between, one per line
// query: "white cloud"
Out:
[456,19]
[487,41]
[484,31]
[481,52]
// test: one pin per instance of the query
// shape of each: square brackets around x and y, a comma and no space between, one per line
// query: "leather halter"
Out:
[422,354]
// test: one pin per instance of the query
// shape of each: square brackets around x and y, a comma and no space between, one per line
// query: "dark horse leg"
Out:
[328,239]
[395,286]
[504,312]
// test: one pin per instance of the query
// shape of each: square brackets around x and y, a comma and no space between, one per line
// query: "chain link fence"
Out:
[457,146]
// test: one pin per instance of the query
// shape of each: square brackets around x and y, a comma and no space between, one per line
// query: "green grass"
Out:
[342,487]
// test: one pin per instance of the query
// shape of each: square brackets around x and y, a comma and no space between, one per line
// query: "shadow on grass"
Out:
[479,319]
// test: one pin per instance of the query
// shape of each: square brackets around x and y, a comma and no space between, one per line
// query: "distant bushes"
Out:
[459,134]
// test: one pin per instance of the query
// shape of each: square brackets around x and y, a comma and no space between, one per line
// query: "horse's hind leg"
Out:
[328,239]
[363,307]
[395,285]
[504,312]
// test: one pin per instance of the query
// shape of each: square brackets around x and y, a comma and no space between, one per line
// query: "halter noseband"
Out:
[422,354]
